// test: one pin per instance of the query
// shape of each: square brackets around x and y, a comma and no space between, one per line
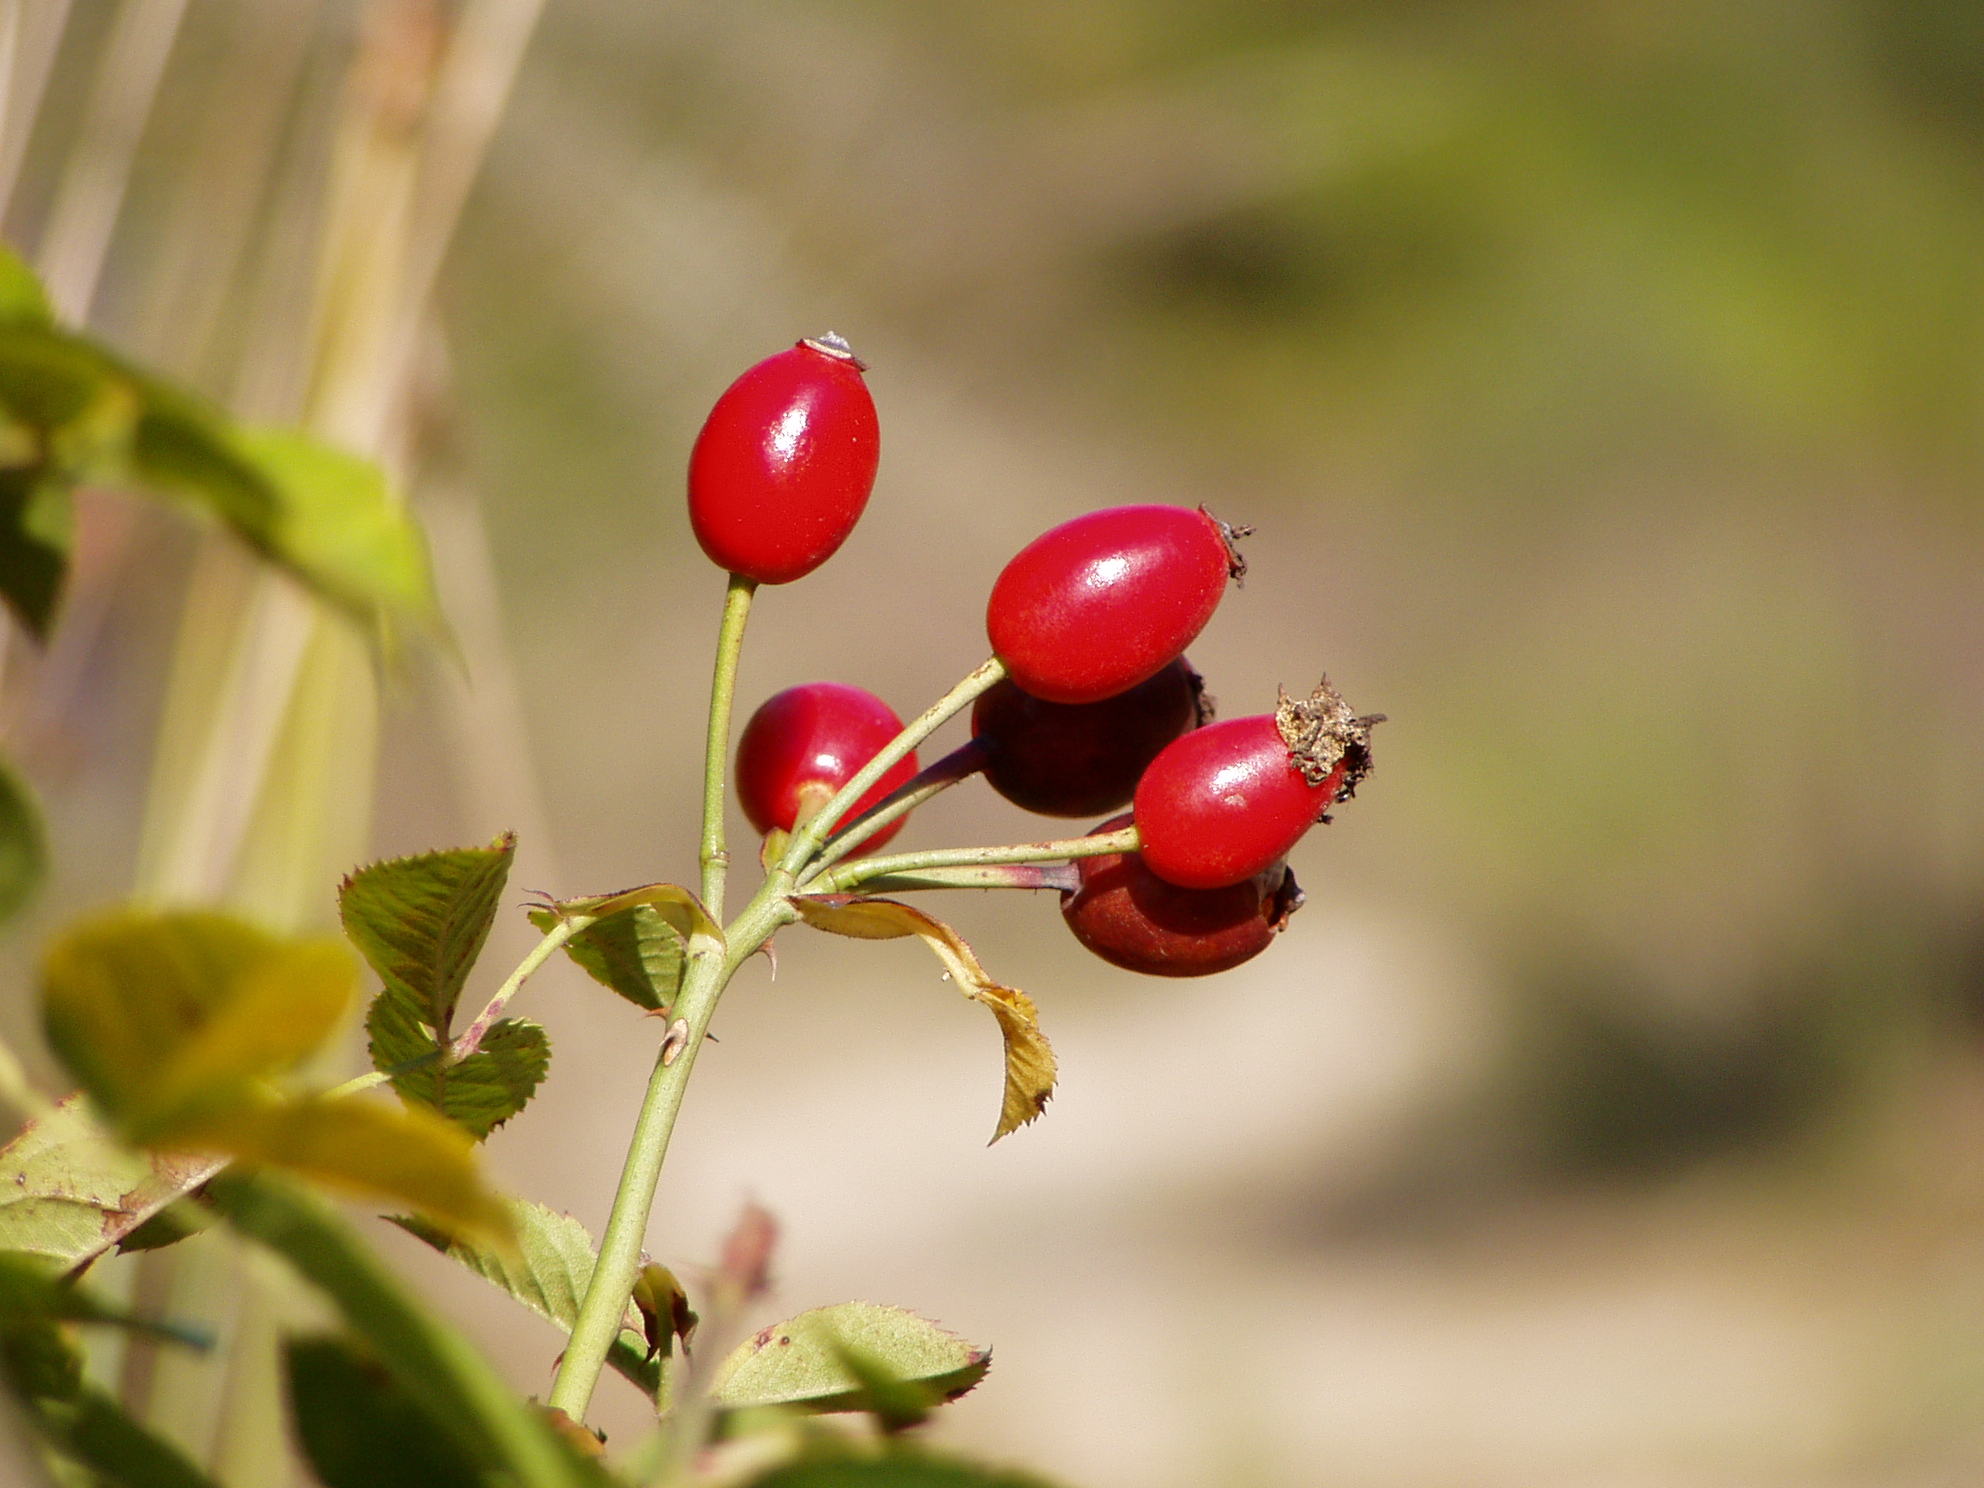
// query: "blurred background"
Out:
[1604,381]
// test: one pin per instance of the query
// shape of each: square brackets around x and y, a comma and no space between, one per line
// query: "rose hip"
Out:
[1132,918]
[1083,759]
[1226,801]
[804,744]
[784,463]
[1092,607]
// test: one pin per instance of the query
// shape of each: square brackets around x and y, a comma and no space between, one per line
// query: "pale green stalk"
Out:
[840,880]
[716,751]
[807,839]
[960,764]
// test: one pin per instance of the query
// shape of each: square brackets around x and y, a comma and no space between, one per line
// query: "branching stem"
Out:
[838,880]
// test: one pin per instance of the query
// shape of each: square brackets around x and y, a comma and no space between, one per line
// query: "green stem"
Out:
[555,937]
[711,965]
[807,839]
[839,880]
[960,764]
[984,876]
[716,751]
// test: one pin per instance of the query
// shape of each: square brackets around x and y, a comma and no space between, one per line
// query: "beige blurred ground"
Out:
[1604,381]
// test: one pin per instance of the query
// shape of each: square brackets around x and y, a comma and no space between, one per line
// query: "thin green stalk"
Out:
[960,764]
[711,965]
[1034,876]
[556,936]
[839,880]
[716,751]
[806,841]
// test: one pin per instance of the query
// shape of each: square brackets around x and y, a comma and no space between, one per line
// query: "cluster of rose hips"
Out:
[1098,708]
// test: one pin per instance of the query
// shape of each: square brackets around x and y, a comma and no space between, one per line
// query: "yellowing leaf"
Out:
[682,910]
[407,1155]
[164,1015]
[1029,1058]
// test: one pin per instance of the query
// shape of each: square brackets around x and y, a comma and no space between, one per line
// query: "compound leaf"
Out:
[635,952]
[490,1086]
[804,1362]
[548,1270]
[1029,1058]
[420,923]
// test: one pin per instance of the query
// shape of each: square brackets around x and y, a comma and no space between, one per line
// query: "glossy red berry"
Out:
[784,463]
[1083,759]
[1132,918]
[1227,801]
[1092,607]
[807,742]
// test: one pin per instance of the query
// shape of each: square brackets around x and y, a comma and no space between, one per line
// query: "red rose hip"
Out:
[1093,607]
[1131,918]
[784,463]
[1226,802]
[804,744]
[1083,759]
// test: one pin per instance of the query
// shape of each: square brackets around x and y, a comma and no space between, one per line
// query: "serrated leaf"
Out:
[23,847]
[802,1363]
[340,526]
[420,922]
[360,1429]
[490,1086]
[1029,1058]
[69,1191]
[636,953]
[548,1271]
[429,1360]
[37,531]
[829,1463]
[405,1154]
[166,1017]
[681,910]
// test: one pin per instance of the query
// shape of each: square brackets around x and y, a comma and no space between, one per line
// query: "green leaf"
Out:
[844,1464]
[22,299]
[360,1429]
[548,1270]
[420,923]
[37,531]
[1030,1069]
[341,527]
[169,1226]
[23,848]
[407,1155]
[69,1191]
[636,953]
[166,1018]
[803,1362]
[431,1362]
[490,1086]
[94,1430]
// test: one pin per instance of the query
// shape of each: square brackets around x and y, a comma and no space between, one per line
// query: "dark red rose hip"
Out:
[1132,918]
[1092,607]
[784,463]
[1083,759]
[1227,801]
[804,744]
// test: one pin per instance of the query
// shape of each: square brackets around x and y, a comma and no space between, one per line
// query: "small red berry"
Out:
[1083,759]
[1092,607]
[784,463]
[1229,800]
[1132,918]
[804,744]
